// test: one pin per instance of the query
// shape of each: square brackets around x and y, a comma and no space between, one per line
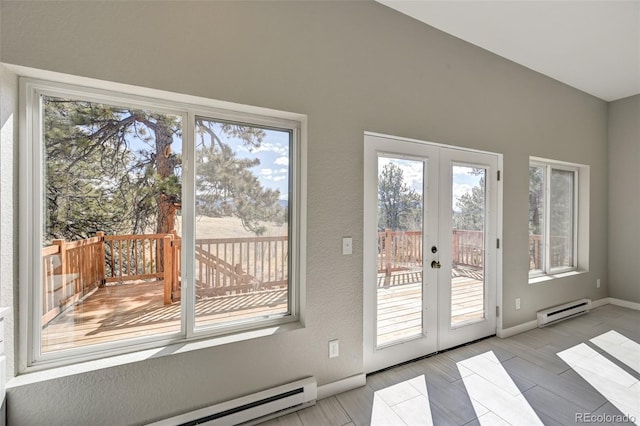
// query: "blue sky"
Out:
[273,153]
[413,171]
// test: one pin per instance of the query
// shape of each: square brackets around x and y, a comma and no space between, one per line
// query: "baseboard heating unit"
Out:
[562,312]
[251,409]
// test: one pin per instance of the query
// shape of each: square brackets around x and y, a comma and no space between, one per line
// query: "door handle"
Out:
[436,264]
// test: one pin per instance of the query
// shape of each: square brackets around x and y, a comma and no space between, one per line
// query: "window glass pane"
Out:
[536,218]
[562,205]
[399,280]
[112,194]
[243,182]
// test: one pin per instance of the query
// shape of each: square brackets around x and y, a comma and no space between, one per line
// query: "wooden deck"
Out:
[400,303]
[118,312]
[114,313]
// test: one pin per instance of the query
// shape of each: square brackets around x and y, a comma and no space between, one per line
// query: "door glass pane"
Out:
[399,263]
[561,219]
[468,218]
[112,179]
[243,181]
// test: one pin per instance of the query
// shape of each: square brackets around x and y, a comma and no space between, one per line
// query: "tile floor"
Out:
[585,368]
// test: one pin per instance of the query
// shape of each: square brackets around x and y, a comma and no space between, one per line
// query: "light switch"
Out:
[347,245]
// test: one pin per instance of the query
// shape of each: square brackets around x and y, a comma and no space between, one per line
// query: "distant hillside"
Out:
[229,227]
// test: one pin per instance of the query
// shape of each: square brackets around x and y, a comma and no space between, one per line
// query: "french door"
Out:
[430,248]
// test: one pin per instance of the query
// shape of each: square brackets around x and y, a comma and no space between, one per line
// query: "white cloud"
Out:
[462,170]
[278,178]
[413,171]
[266,172]
[282,161]
[459,189]
[272,147]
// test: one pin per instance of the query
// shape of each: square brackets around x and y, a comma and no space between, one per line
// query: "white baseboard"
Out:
[600,302]
[521,328]
[624,303]
[517,329]
[342,385]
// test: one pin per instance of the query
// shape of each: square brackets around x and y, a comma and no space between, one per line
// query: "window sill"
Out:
[551,277]
[30,376]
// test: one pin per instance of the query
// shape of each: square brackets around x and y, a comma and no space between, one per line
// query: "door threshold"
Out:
[430,355]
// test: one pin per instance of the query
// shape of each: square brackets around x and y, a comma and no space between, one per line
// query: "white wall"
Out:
[351,66]
[624,198]
[8,202]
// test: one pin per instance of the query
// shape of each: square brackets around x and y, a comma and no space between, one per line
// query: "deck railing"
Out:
[398,250]
[468,248]
[560,256]
[238,265]
[223,266]
[401,250]
[71,270]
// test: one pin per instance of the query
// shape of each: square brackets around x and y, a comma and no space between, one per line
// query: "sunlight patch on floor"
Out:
[495,397]
[406,403]
[622,348]
[615,384]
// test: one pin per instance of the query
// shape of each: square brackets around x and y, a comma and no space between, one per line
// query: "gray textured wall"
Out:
[624,198]
[351,66]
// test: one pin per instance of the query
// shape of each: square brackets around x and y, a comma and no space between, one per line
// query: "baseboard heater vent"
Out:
[251,409]
[562,312]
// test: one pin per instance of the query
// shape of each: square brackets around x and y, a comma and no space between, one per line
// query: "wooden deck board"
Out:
[120,312]
[400,305]
[114,313]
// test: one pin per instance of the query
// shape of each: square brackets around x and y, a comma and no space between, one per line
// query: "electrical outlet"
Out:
[517,303]
[334,348]
[598,283]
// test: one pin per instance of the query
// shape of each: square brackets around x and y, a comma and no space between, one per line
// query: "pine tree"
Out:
[470,206]
[399,206]
[115,169]
[225,184]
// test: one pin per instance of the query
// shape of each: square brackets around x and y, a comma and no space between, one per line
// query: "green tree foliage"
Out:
[561,200]
[115,169]
[536,200]
[225,184]
[94,182]
[470,207]
[399,206]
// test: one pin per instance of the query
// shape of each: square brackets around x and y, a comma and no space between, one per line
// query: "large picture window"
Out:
[553,206]
[151,222]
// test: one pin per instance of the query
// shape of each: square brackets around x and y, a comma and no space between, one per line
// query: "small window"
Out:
[150,222]
[553,217]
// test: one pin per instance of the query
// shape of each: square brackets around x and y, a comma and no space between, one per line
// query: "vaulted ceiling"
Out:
[593,46]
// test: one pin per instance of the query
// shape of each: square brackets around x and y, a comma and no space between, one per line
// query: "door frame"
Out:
[369,292]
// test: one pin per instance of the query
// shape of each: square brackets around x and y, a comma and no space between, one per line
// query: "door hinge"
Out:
[498,243]
[497,311]
[498,174]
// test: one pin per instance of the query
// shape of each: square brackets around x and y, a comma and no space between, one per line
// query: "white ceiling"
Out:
[591,45]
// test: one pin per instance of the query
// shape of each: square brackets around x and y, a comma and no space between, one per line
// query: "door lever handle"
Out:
[436,265]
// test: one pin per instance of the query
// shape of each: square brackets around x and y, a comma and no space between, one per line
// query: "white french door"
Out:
[430,248]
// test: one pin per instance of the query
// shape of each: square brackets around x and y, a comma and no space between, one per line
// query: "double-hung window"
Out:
[553,217]
[147,221]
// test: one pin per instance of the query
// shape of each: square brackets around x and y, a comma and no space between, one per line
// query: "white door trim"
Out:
[370,247]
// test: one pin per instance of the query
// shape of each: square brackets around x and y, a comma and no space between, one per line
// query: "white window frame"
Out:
[580,217]
[188,107]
